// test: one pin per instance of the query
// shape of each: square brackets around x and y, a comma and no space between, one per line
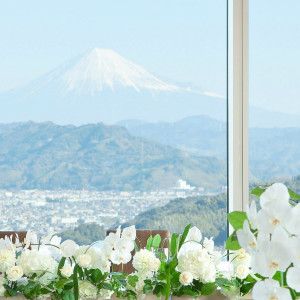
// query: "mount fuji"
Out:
[102,86]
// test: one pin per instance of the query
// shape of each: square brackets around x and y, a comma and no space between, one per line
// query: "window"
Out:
[274,105]
[113,113]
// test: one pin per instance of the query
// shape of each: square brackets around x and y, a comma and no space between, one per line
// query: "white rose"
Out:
[7,259]
[14,273]
[87,290]
[186,278]
[154,264]
[66,271]
[242,271]
[68,248]
[84,260]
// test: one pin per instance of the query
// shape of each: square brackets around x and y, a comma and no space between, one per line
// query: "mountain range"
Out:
[97,157]
[273,151]
[102,86]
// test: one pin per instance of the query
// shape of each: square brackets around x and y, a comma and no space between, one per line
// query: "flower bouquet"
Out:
[271,236]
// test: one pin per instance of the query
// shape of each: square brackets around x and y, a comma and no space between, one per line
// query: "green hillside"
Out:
[206,212]
[97,156]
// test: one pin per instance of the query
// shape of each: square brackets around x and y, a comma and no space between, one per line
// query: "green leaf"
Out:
[208,288]
[184,235]
[172,263]
[96,275]
[223,281]
[236,219]
[68,295]
[75,281]
[174,239]
[158,289]
[258,191]
[149,243]
[294,196]
[188,290]
[10,291]
[61,264]
[106,285]
[61,283]
[132,280]
[156,241]
[246,288]
[147,289]
[232,242]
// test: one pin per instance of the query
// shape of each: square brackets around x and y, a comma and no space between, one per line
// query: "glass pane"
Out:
[113,113]
[274,60]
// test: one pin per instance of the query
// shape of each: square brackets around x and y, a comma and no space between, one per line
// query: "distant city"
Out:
[46,211]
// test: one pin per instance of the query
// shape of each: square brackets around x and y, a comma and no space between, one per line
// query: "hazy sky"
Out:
[180,41]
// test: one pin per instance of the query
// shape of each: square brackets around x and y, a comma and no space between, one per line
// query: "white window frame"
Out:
[237,95]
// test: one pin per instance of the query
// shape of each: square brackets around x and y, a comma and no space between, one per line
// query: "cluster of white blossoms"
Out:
[41,257]
[276,246]
[196,261]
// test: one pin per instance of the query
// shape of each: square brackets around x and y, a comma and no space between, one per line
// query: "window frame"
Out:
[238,105]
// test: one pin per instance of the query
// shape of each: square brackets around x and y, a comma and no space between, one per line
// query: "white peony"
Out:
[129,233]
[34,261]
[277,192]
[186,278]
[87,290]
[194,235]
[198,262]
[66,271]
[154,264]
[14,273]
[141,260]
[68,248]
[106,294]
[7,259]
[84,260]
[270,289]
[242,271]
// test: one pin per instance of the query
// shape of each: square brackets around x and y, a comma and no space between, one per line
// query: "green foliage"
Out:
[236,219]
[232,242]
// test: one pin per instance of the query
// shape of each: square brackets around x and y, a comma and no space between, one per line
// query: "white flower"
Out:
[273,215]
[118,258]
[84,260]
[104,265]
[196,260]
[106,249]
[194,235]
[209,244]
[270,289]
[66,271]
[293,278]
[232,294]
[52,245]
[186,278]
[252,214]
[7,243]
[246,238]
[141,260]
[112,239]
[2,288]
[14,273]
[34,261]
[124,245]
[294,225]
[241,257]
[7,259]
[68,248]
[225,269]
[31,238]
[242,271]
[271,258]
[154,264]
[129,233]
[87,289]
[277,192]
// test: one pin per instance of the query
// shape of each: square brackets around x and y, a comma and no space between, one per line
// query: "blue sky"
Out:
[180,41]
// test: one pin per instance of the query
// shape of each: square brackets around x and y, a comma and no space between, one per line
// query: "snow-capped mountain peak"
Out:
[98,69]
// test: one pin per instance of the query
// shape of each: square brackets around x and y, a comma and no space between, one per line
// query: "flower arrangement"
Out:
[271,236]
[47,267]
